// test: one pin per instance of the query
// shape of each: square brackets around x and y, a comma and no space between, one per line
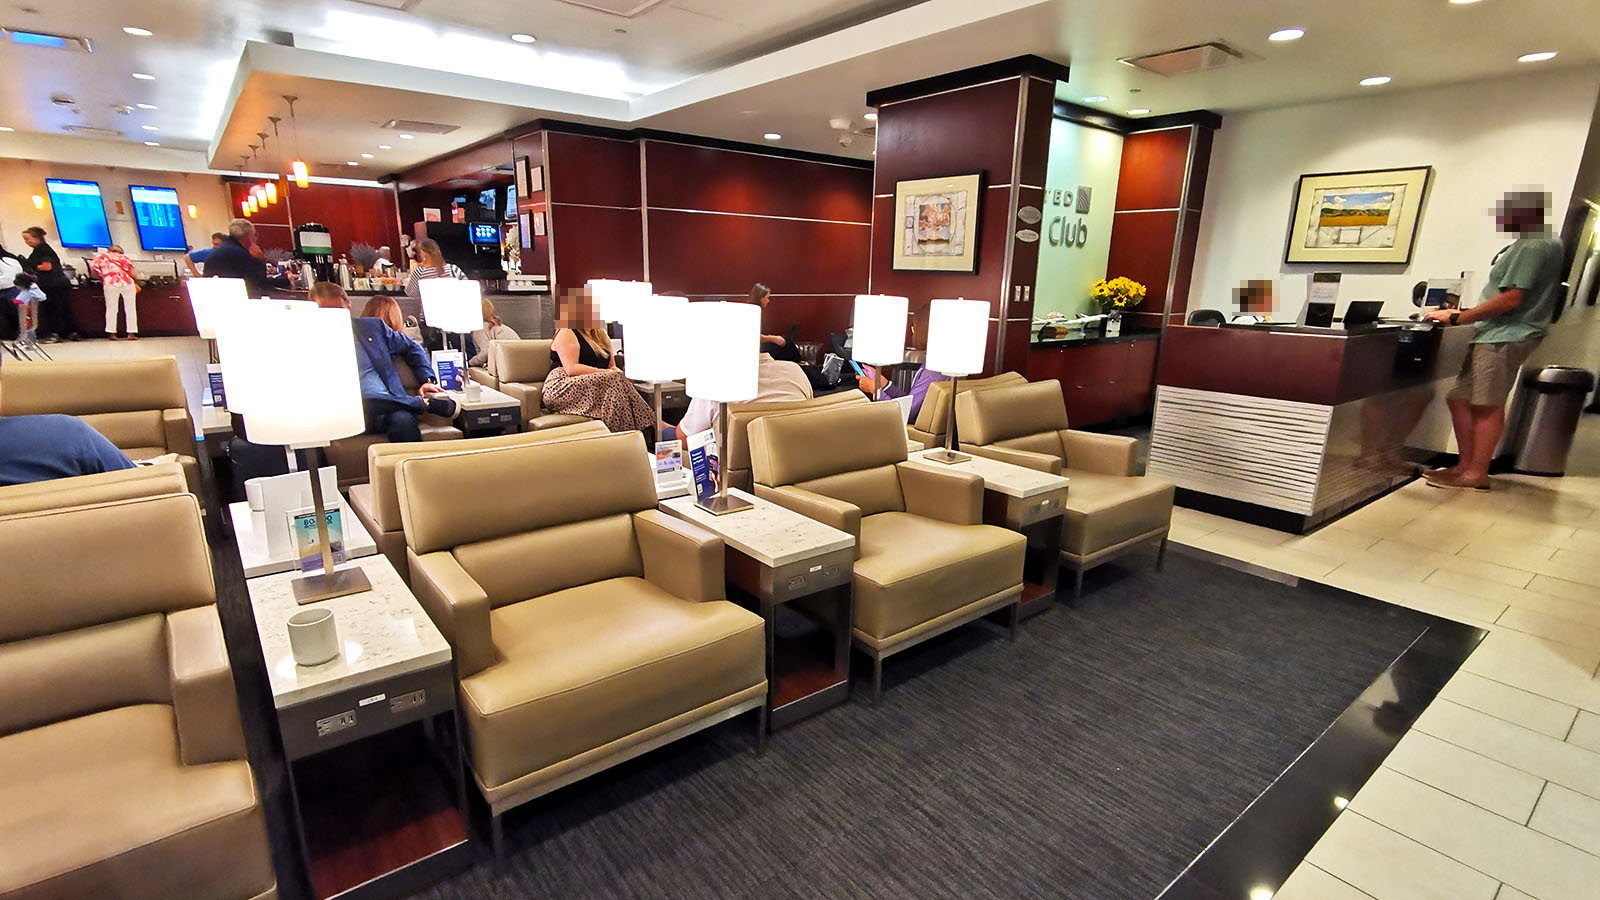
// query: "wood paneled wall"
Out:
[1158,177]
[352,214]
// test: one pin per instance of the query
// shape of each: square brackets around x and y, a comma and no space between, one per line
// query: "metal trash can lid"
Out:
[1559,379]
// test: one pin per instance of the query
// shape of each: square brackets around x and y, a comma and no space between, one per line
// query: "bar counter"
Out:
[1288,427]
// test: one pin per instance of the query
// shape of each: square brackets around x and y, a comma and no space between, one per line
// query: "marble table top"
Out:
[250,535]
[488,398]
[215,420]
[1001,477]
[770,534]
[383,632]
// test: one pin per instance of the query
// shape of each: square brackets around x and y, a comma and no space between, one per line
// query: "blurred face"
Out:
[30,240]
[578,310]
[216,242]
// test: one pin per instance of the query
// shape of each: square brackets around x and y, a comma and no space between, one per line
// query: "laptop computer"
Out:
[1361,313]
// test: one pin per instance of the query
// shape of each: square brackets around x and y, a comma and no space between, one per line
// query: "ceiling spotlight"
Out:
[149,128]
[152,143]
[870,117]
[1541,56]
[773,136]
[1287,34]
[366,156]
[521,38]
[137,32]
[6,128]
[142,76]
[407,137]
[1138,112]
[145,105]
[352,162]
[1375,80]
[385,147]
[1095,99]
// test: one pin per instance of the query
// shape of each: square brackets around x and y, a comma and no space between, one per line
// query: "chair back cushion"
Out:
[813,445]
[740,415]
[520,362]
[1000,414]
[934,415]
[84,388]
[873,490]
[134,428]
[520,566]
[383,459]
[78,638]
[464,498]
[102,487]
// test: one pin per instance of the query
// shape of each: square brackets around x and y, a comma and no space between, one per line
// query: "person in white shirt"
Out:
[383,265]
[776,380]
[493,330]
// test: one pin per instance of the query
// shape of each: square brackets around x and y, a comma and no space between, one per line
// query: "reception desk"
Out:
[1288,427]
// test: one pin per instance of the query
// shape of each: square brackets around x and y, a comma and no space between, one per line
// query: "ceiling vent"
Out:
[411,127]
[92,131]
[1184,60]
[45,39]
[624,8]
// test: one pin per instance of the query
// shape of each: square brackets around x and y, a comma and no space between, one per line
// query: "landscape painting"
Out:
[1357,216]
[939,220]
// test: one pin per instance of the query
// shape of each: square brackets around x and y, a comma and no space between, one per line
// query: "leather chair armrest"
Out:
[527,394]
[680,557]
[178,429]
[1043,462]
[954,497]
[834,513]
[1106,454]
[457,606]
[913,433]
[482,376]
[203,698]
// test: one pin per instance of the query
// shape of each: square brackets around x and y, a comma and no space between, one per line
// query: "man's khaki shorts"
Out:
[1489,372]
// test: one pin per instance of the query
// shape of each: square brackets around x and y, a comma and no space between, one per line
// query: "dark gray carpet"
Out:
[1093,759]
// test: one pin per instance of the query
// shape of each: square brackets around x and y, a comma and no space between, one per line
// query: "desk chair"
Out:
[1206,317]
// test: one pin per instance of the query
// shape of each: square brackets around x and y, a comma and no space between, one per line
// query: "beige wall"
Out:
[21,179]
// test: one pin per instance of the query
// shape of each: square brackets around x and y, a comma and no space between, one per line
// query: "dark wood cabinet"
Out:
[1100,382]
[163,311]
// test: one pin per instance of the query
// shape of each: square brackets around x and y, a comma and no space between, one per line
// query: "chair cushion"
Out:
[1105,510]
[99,806]
[913,569]
[555,420]
[590,665]
[138,453]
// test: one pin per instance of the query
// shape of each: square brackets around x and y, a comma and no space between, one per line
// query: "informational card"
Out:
[307,549]
[449,366]
[704,464]
[214,375]
[1324,287]
[669,460]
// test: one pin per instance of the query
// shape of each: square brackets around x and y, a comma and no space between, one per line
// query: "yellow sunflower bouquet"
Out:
[1117,294]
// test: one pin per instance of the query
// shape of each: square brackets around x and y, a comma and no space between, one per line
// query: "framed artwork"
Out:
[523,180]
[938,225]
[1357,217]
[536,180]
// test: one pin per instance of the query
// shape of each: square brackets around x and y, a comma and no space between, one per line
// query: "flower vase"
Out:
[1113,324]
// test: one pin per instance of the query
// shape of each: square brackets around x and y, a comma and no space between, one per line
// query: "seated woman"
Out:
[584,379]
[493,330]
[387,309]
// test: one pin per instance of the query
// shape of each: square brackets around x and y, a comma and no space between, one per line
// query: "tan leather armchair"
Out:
[924,562]
[740,415]
[137,404]
[349,455]
[122,760]
[519,369]
[933,418]
[377,503]
[587,626]
[1109,510]
[102,487]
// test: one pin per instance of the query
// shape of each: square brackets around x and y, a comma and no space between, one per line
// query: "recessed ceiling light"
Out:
[1541,56]
[137,32]
[870,117]
[1375,80]
[407,137]
[152,143]
[773,136]
[521,38]
[366,156]
[145,105]
[352,162]
[1287,34]
[385,147]
[1095,99]
[1138,112]
[149,128]
[143,76]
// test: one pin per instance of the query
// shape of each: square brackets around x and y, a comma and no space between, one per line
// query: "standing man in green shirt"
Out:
[1513,313]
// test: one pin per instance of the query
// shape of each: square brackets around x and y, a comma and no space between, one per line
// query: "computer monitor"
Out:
[1362,312]
[1317,314]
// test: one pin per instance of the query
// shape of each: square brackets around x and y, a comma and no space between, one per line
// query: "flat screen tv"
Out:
[159,217]
[80,213]
[484,233]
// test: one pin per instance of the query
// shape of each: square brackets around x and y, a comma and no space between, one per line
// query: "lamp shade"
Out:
[210,299]
[878,330]
[658,339]
[613,298]
[958,335]
[727,351]
[240,348]
[450,304]
[310,396]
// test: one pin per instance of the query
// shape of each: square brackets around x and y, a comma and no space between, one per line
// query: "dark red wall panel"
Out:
[352,214]
[1037,118]
[593,170]
[963,131]
[596,242]
[680,176]
[1141,249]
[709,253]
[1153,169]
[816,316]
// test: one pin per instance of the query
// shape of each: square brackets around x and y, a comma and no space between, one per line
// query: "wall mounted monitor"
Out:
[484,233]
[159,217]
[80,213]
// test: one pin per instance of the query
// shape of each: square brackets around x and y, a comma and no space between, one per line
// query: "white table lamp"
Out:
[658,342]
[613,299]
[210,299]
[240,350]
[958,336]
[726,366]
[878,329]
[454,305]
[301,399]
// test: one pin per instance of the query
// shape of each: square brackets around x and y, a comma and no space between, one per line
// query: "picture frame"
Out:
[535,180]
[1369,216]
[523,179]
[938,224]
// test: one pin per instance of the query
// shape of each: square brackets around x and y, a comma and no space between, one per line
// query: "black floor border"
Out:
[1266,842]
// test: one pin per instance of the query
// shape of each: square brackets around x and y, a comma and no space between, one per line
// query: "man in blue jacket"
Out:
[390,410]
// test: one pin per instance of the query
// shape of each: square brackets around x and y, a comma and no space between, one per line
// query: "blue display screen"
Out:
[159,216]
[483,233]
[80,213]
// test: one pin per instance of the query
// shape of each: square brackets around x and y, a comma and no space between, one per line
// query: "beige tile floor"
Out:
[1495,793]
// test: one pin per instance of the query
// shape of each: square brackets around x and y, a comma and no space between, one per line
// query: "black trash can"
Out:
[1553,401]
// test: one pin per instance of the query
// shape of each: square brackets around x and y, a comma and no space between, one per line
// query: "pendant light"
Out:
[272,192]
[297,167]
[254,207]
[244,207]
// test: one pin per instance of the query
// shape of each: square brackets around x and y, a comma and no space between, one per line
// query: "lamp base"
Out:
[327,585]
[947,457]
[721,506]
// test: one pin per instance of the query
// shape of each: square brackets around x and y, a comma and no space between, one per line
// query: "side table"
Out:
[776,556]
[1027,501]
[250,536]
[370,739]
[493,412]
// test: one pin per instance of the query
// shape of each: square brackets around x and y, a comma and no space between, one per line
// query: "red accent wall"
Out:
[1155,165]
[353,214]
[594,228]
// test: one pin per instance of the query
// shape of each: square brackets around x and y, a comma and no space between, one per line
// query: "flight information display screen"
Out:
[159,216]
[80,213]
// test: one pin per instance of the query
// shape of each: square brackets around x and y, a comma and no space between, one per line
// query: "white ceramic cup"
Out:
[252,493]
[312,637]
